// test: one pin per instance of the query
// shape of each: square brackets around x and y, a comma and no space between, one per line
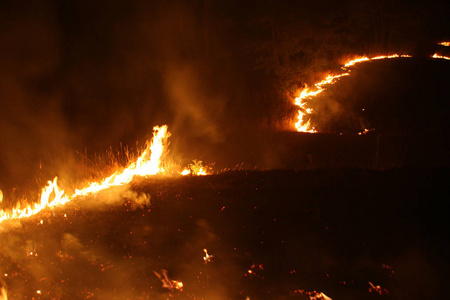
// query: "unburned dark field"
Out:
[273,235]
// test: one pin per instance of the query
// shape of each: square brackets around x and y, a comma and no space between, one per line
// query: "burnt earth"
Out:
[272,234]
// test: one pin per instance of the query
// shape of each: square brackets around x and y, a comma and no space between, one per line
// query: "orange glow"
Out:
[3,294]
[446,44]
[148,163]
[169,283]
[440,56]
[195,168]
[365,58]
[377,289]
[303,125]
[207,258]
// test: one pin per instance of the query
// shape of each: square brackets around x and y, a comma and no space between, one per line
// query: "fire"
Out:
[441,56]
[313,295]
[446,44]
[195,168]
[3,294]
[305,126]
[168,283]
[148,163]
[207,258]
[365,58]
[377,289]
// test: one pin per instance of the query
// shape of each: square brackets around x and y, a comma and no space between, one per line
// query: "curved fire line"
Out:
[303,124]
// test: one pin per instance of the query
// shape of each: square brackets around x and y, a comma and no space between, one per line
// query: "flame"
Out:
[446,44]
[148,163]
[305,126]
[440,56]
[319,296]
[3,294]
[168,283]
[195,168]
[365,58]
[377,289]
[207,258]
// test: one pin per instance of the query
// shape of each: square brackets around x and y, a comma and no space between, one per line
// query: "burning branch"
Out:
[377,289]
[168,283]
[207,258]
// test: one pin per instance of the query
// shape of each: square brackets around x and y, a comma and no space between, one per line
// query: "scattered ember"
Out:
[389,269]
[366,131]
[255,271]
[377,289]
[313,295]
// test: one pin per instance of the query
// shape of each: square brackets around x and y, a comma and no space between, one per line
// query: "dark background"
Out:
[78,77]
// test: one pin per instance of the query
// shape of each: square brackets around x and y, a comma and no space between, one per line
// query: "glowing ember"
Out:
[207,258]
[305,126]
[446,44]
[313,295]
[169,283]
[149,163]
[377,289]
[319,296]
[441,56]
[366,131]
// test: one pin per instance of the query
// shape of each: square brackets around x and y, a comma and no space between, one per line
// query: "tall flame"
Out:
[148,163]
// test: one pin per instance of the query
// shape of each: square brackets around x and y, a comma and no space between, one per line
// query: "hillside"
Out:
[272,234]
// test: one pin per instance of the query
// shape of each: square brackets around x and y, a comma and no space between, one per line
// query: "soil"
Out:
[272,235]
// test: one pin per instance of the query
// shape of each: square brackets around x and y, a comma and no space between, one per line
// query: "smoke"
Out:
[73,82]
[31,124]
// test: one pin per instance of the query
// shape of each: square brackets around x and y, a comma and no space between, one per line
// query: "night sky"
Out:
[83,76]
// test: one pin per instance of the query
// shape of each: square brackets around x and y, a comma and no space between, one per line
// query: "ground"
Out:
[273,235]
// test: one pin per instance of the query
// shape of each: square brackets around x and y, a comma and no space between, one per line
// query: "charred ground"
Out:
[330,231]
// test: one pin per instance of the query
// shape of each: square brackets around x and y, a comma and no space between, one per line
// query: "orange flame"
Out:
[208,257]
[440,56]
[149,163]
[3,294]
[167,282]
[446,44]
[195,168]
[305,126]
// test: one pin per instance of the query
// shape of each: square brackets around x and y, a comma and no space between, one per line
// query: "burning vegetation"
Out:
[303,123]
